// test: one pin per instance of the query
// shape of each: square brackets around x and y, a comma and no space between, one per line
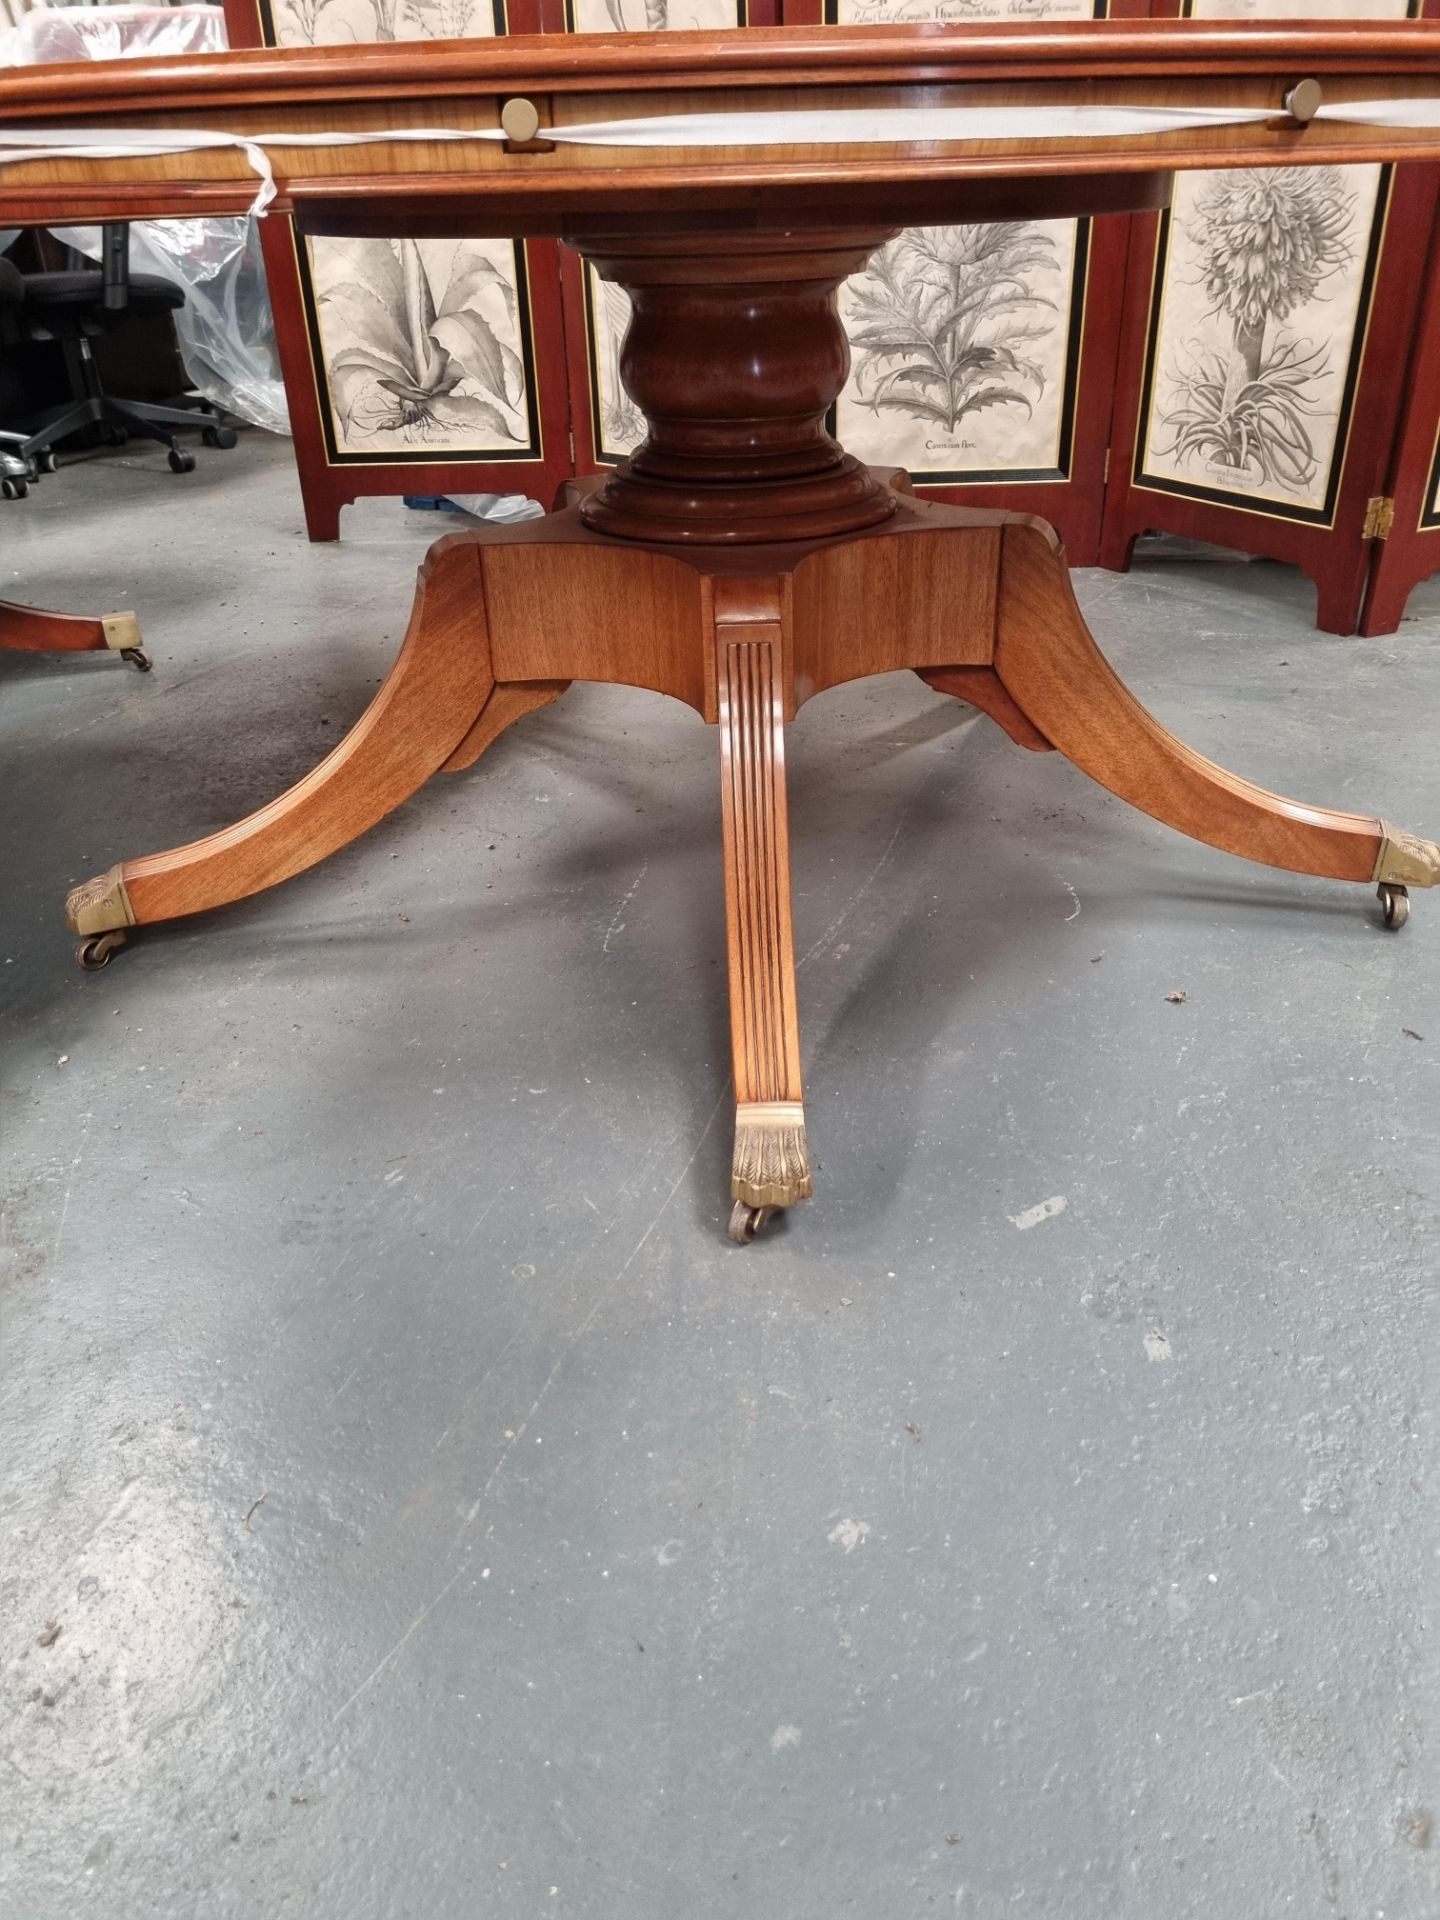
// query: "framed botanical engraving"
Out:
[412,366]
[1263,284]
[965,352]
[422,346]
[1262,317]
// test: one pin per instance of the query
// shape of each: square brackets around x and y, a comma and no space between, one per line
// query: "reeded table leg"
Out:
[771,1166]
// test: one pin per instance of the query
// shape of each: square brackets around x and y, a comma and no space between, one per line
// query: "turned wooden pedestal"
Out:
[741,561]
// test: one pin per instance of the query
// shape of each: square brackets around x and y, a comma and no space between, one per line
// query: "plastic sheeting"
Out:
[226,331]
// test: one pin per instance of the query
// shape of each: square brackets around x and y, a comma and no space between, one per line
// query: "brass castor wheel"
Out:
[138,658]
[1394,905]
[746,1222]
[95,951]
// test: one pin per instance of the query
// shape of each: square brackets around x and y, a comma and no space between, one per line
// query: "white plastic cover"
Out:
[226,331]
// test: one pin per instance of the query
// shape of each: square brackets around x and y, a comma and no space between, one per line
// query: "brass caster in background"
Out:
[138,658]
[1394,905]
[95,952]
[746,1222]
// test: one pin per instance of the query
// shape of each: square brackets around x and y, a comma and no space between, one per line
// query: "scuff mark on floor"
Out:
[1043,1210]
[617,925]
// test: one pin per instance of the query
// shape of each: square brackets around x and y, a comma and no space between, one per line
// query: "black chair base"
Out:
[117,420]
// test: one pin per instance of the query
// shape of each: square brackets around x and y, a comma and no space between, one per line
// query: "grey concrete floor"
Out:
[441,1518]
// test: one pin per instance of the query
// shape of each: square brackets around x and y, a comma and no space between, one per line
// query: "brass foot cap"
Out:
[771,1167]
[98,905]
[122,631]
[1405,860]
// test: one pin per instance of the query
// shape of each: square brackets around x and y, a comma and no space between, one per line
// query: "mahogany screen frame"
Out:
[1335,554]
[327,485]
[1410,552]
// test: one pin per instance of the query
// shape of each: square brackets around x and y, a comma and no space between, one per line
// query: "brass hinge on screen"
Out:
[1379,518]
[1105,476]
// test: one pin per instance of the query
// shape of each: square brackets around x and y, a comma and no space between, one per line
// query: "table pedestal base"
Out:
[979,604]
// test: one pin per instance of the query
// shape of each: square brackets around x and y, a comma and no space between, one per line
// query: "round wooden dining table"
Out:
[740,560]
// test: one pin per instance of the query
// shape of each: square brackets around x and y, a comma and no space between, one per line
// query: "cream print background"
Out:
[1298,10]
[651,16]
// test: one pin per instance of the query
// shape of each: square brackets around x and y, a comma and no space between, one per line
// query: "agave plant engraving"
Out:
[942,320]
[415,364]
[1264,242]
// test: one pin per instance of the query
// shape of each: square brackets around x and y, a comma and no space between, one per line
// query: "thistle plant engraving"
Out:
[415,364]
[943,321]
[1262,243]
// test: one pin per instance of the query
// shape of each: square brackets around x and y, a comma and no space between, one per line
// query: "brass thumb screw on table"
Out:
[521,119]
[1302,102]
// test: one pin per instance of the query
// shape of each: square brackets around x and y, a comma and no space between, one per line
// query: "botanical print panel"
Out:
[877,13]
[960,344]
[1264,279]
[321,23]
[421,346]
[651,16]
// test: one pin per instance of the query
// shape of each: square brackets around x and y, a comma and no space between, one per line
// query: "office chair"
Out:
[72,307]
[16,471]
